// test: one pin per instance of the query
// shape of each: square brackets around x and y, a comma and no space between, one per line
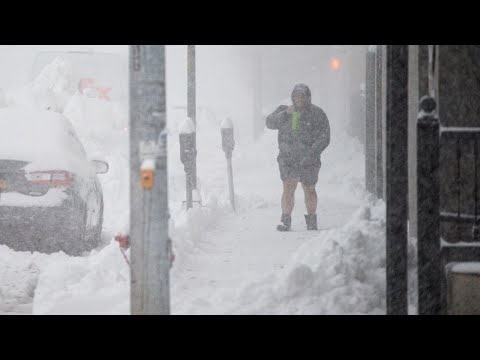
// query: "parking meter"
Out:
[228,142]
[187,150]
[188,154]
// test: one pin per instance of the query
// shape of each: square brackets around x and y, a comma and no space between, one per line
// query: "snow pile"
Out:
[50,90]
[97,284]
[60,284]
[18,278]
[189,230]
[341,271]
[19,275]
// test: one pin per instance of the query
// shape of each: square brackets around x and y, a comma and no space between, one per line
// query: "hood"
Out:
[302,89]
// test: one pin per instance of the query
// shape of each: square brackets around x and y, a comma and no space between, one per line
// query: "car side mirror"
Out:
[101,167]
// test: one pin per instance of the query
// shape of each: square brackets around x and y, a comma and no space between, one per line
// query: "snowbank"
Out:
[339,272]
[50,90]
[342,271]
[96,284]
[18,278]
[19,275]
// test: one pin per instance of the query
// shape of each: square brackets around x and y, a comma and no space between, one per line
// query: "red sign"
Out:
[87,83]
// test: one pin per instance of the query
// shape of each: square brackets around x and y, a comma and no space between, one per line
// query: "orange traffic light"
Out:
[335,64]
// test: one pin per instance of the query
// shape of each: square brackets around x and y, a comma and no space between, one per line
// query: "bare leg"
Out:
[311,199]
[288,197]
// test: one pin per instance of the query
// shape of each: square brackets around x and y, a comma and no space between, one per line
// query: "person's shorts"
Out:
[307,175]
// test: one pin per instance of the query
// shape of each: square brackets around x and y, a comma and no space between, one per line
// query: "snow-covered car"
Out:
[50,196]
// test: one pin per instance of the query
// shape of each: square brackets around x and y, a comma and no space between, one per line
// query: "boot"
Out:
[311,221]
[287,223]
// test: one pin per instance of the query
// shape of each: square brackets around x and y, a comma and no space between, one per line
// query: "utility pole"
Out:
[397,179]
[192,101]
[379,121]
[370,121]
[258,122]
[150,245]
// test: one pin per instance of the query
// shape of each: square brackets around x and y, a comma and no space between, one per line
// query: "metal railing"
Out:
[434,253]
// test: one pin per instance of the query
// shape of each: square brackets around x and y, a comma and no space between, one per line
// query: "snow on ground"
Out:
[95,284]
[239,263]
[62,284]
[226,262]
[340,271]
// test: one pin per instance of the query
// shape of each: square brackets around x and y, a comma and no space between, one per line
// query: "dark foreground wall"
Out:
[458,81]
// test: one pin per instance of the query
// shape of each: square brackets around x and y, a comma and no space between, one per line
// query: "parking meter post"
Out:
[228,144]
[192,102]
[187,157]
[230,183]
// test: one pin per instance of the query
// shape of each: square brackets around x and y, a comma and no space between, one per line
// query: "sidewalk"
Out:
[219,253]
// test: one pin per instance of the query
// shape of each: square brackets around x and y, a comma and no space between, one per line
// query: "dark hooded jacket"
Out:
[305,144]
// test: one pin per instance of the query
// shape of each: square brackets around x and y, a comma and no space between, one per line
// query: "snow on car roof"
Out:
[44,138]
